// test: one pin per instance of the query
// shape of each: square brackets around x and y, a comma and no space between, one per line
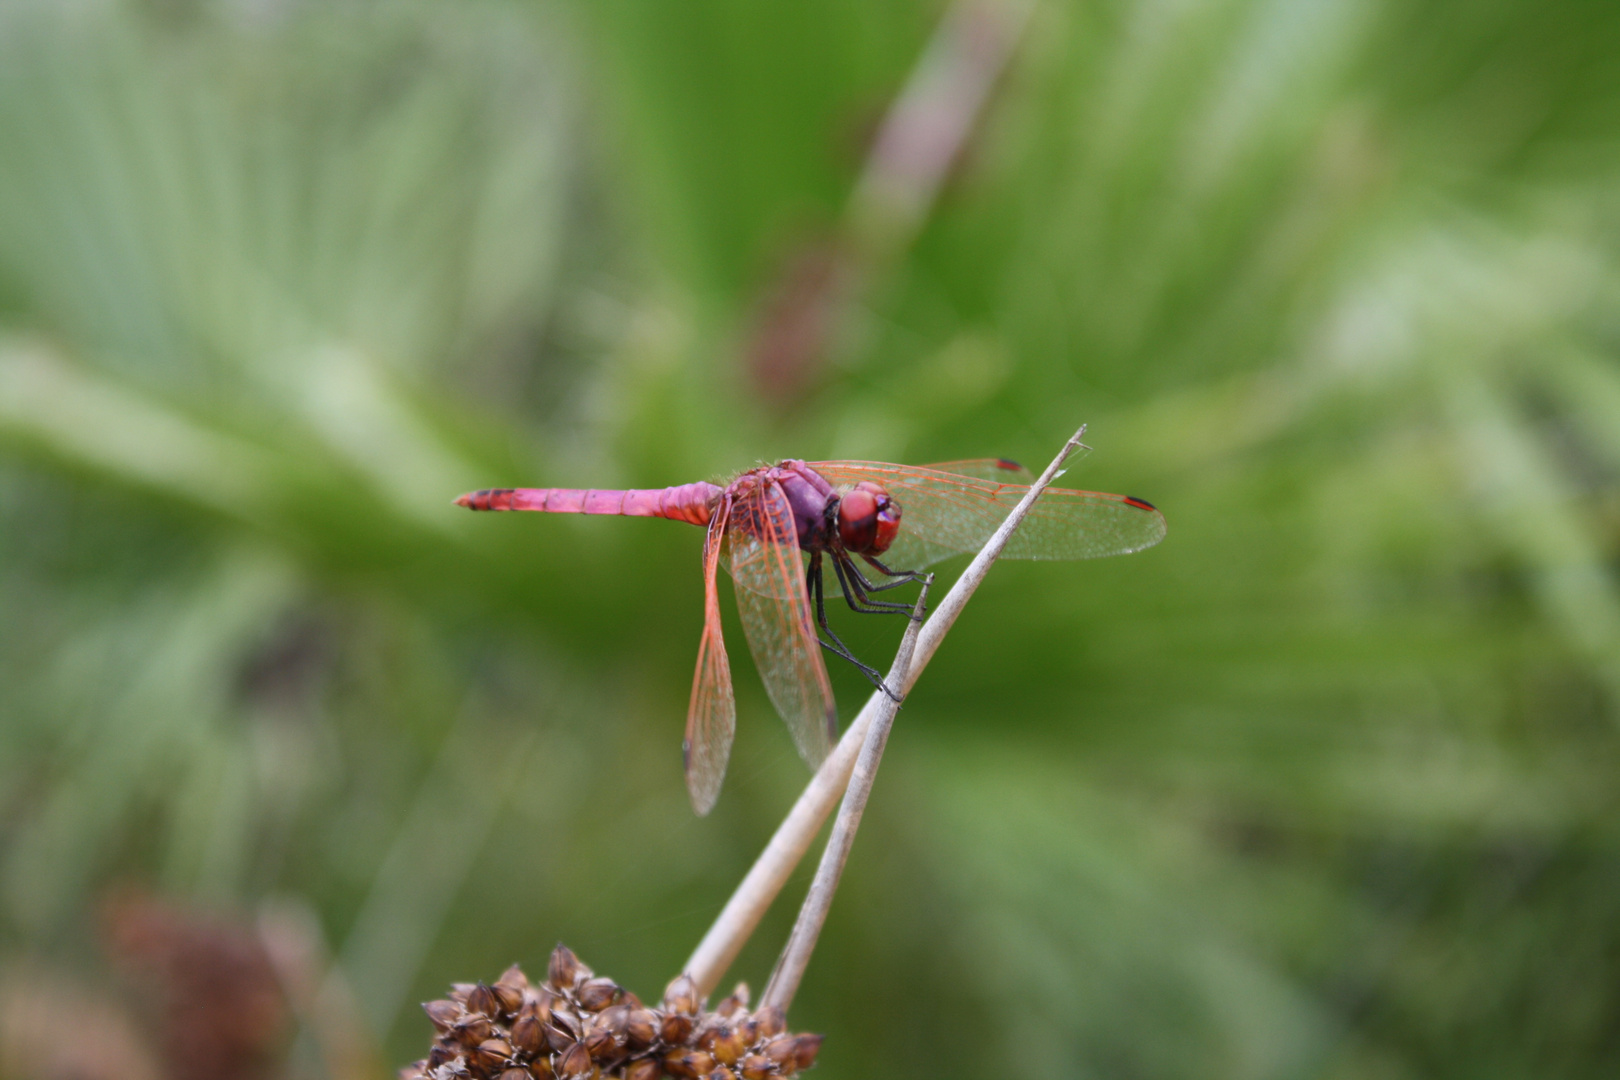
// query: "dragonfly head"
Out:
[868,519]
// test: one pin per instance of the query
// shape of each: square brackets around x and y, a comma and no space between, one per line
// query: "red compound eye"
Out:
[888,525]
[868,519]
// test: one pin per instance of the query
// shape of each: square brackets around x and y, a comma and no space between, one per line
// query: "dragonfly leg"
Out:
[836,646]
[863,586]
[900,576]
[855,596]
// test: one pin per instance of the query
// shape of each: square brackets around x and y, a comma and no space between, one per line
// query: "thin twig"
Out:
[793,837]
[927,126]
[818,900]
[813,307]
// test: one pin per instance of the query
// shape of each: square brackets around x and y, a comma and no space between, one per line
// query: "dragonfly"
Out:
[775,528]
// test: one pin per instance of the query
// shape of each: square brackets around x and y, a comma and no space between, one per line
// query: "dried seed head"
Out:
[676,1029]
[482,999]
[589,1028]
[682,997]
[769,1022]
[565,970]
[597,994]
[603,1047]
[737,1000]
[641,1028]
[576,1064]
[491,1055]
[725,1043]
[566,1020]
[472,1029]
[780,1050]
[805,1049]
[528,1034]
[443,1013]
[643,1069]
[688,1063]
[615,1021]
[537,1003]
[510,998]
[454,1069]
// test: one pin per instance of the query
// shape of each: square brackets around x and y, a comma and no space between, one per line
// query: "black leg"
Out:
[862,586]
[855,596]
[903,576]
[836,646]
[866,586]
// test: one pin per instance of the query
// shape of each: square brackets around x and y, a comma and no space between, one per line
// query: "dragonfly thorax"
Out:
[862,520]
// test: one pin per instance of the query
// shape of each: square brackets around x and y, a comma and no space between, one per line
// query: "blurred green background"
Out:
[1325,785]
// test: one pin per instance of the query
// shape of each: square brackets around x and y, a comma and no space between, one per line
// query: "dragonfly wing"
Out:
[943,513]
[998,470]
[763,556]
[711,719]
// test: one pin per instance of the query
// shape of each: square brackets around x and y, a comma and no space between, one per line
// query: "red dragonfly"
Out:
[836,511]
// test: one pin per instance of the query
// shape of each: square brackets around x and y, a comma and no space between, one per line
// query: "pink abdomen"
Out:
[688,502]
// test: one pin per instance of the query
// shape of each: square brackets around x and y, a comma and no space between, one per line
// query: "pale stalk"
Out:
[793,837]
[930,122]
[818,900]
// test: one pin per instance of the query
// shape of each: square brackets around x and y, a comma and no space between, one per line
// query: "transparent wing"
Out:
[999,470]
[711,719]
[943,513]
[762,553]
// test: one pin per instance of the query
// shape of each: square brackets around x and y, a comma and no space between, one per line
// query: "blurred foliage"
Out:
[1325,785]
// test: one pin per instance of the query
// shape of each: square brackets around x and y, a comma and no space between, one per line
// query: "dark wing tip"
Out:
[1009,464]
[1140,504]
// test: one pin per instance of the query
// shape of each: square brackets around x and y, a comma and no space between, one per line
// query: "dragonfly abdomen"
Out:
[687,502]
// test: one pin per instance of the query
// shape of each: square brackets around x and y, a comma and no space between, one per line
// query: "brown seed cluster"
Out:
[208,986]
[576,1026]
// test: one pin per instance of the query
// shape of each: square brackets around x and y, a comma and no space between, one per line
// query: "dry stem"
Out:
[932,119]
[793,837]
[818,900]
